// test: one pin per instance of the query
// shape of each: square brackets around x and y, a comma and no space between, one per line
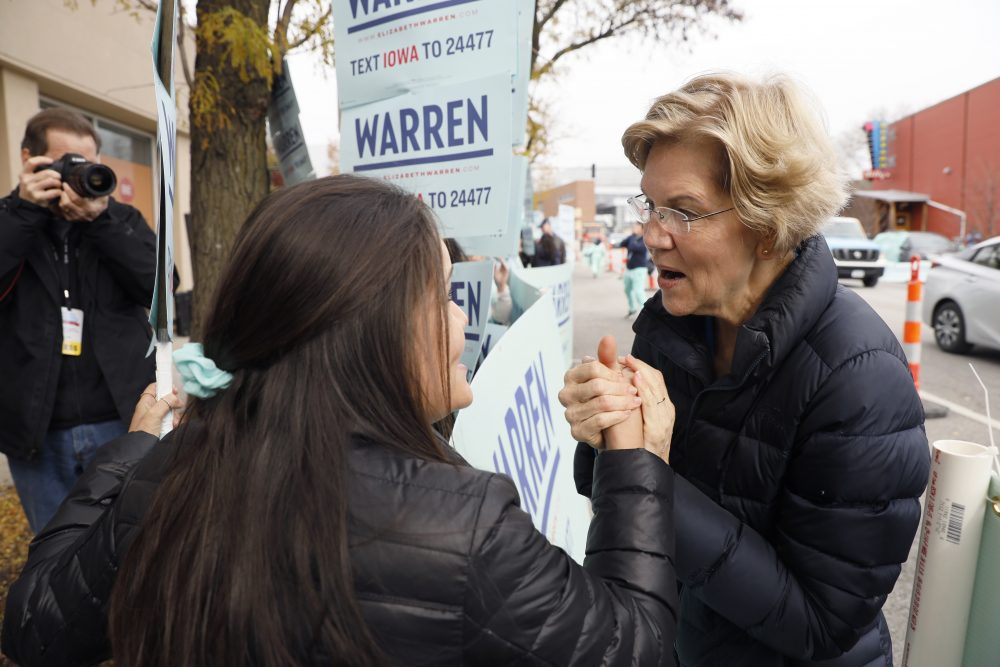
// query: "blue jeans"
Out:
[635,287]
[44,482]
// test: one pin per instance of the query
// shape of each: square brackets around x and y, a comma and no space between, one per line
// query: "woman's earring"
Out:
[765,252]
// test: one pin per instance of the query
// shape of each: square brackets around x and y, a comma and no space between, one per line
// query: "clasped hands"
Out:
[617,402]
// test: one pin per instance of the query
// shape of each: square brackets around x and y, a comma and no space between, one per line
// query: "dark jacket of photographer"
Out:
[115,265]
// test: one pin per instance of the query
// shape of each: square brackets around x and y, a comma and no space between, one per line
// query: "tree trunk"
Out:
[228,164]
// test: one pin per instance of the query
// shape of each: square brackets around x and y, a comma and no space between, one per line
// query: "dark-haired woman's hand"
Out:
[149,412]
[658,414]
[596,398]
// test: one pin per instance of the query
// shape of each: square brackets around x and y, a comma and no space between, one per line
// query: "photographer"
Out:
[76,272]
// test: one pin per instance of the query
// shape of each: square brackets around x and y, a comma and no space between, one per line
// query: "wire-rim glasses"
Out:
[674,220]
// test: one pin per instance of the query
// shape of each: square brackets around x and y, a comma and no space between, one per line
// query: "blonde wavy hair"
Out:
[778,163]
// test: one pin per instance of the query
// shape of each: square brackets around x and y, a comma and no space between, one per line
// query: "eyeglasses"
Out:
[672,220]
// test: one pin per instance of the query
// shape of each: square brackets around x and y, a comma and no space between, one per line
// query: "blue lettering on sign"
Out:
[171,150]
[525,447]
[466,112]
[561,300]
[375,6]
[470,303]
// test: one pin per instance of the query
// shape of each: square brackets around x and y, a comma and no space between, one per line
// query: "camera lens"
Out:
[100,180]
[92,180]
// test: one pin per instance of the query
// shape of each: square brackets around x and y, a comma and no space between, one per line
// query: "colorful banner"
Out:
[515,426]
[450,145]
[386,49]
[472,291]
[503,245]
[527,285]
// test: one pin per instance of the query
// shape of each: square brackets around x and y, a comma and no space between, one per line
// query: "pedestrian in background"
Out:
[76,273]
[550,250]
[799,439]
[308,514]
[635,276]
[597,255]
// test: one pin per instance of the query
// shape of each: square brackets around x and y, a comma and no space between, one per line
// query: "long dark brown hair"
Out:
[243,556]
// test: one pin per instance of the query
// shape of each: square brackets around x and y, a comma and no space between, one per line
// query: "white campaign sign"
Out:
[522,73]
[515,426]
[472,290]
[166,150]
[564,226]
[503,245]
[388,48]
[527,284]
[450,145]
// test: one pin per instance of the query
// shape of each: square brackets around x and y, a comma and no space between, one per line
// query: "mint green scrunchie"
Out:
[199,374]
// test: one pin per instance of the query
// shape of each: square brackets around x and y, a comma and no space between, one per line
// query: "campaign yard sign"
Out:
[522,72]
[526,287]
[450,145]
[386,48]
[471,289]
[515,426]
[505,244]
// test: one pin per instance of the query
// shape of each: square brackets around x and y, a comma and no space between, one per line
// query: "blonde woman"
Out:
[799,441]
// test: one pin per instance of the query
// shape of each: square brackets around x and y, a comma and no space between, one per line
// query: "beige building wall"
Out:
[578,194]
[96,58]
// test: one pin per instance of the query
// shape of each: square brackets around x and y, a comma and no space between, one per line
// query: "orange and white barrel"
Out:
[911,328]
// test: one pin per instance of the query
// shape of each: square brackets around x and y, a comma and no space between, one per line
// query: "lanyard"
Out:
[66,271]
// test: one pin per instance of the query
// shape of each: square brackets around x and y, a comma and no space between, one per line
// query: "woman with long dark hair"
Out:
[307,512]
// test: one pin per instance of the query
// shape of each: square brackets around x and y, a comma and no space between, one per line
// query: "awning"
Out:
[893,196]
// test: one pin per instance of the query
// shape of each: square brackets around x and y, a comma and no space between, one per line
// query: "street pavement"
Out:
[599,308]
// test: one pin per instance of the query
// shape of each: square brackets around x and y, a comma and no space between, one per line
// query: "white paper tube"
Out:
[164,380]
[949,547]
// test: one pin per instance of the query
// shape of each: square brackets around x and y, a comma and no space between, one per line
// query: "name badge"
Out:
[72,325]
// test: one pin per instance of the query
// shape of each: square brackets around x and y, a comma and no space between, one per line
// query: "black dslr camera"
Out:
[89,179]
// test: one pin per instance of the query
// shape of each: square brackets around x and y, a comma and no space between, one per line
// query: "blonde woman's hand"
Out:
[596,398]
[149,412]
[658,414]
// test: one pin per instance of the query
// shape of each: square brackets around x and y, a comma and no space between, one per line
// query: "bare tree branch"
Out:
[281,32]
[316,29]
[185,64]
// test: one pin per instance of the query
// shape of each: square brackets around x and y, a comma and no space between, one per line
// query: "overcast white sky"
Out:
[856,56]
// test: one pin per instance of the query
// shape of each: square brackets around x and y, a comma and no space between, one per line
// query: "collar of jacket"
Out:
[789,310]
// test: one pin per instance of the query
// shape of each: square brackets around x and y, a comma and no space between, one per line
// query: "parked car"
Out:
[961,298]
[900,246]
[853,253]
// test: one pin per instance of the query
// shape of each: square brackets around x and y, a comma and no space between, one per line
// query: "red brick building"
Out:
[946,155]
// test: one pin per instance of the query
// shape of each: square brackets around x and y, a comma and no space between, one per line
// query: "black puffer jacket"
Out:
[798,475]
[472,583]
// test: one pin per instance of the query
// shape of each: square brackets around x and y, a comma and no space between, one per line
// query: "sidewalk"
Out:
[599,309]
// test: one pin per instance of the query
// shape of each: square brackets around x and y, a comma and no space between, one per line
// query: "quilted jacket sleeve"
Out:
[846,518]
[57,609]
[529,603]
